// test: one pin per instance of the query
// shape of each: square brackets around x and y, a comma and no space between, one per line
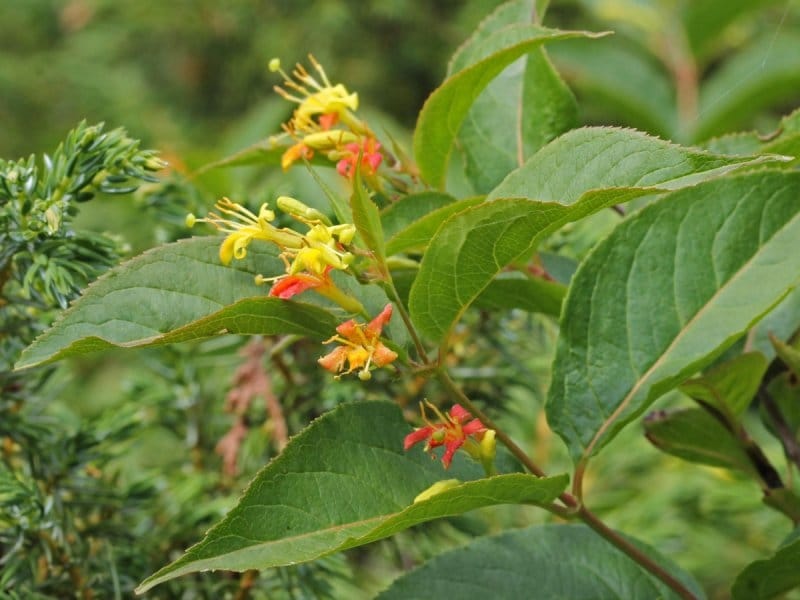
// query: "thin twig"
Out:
[634,553]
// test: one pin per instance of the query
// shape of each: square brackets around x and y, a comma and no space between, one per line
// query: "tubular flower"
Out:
[368,150]
[455,430]
[314,97]
[244,226]
[291,285]
[361,347]
[308,257]
[323,120]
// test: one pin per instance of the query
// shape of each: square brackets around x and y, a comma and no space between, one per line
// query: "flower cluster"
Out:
[324,122]
[456,430]
[309,258]
[361,347]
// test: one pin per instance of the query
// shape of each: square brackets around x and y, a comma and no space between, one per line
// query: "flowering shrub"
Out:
[690,291]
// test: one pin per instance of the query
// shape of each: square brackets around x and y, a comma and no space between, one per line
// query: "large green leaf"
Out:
[343,482]
[549,561]
[761,75]
[444,111]
[174,293]
[593,158]
[574,176]
[773,576]
[523,108]
[665,294]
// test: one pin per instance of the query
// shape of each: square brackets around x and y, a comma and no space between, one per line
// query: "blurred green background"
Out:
[190,79]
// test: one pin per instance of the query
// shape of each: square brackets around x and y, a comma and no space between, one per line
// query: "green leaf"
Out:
[546,561]
[367,219]
[523,108]
[574,176]
[444,111]
[730,386]
[531,294]
[343,482]
[694,435]
[770,577]
[175,293]
[399,215]
[418,234]
[788,354]
[593,158]
[665,294]
[747,142]
[761,75]
[786,139]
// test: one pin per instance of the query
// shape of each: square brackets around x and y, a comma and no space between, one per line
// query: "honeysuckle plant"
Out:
[691,293]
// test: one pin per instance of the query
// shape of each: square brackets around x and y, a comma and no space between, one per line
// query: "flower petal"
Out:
[334,360]
[291,285]
[450,449]
[376,325]
[473,427]
[459,414]
[416,436]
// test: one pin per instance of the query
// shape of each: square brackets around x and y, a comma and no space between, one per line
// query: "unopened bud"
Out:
[299,210]
[488,446]
[344,233]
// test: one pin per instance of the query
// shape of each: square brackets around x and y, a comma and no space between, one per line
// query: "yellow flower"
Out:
[243,226]
[314,97]
[308,257]
[322,106]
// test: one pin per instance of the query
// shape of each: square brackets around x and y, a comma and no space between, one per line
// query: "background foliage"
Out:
[114,462]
